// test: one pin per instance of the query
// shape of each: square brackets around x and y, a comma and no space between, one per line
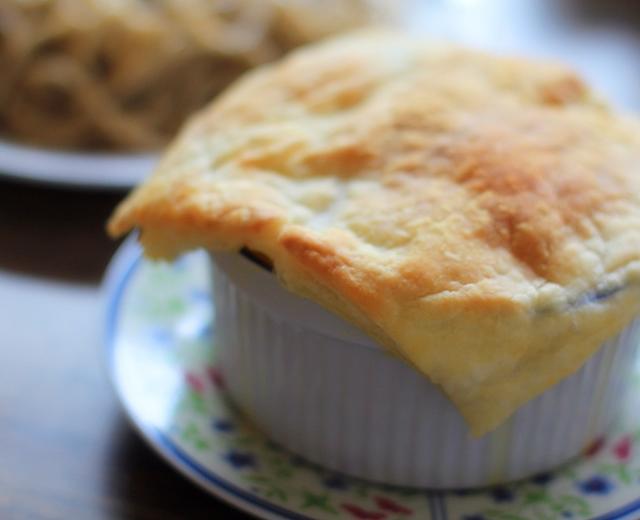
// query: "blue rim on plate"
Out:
[161,362]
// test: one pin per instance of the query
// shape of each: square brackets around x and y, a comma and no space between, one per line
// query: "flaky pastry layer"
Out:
[477,215]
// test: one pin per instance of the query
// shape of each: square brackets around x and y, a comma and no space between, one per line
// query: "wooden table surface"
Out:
[66,449]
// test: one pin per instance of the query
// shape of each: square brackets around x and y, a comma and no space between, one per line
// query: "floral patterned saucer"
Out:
[160,357]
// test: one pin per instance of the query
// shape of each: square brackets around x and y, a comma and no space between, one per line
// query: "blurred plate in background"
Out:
[73,169]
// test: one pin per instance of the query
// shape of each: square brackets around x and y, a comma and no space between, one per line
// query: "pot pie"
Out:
[477,215]
[123,74]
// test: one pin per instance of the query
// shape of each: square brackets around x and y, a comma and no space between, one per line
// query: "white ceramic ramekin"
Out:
[321,388]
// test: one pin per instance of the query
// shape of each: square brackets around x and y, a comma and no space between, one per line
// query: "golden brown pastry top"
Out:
[477,215]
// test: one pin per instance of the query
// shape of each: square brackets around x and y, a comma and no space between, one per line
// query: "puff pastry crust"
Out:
[477,215]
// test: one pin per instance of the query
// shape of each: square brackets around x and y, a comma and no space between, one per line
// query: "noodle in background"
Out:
[124,74]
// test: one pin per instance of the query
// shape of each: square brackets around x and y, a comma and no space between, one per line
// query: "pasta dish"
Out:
[124,74]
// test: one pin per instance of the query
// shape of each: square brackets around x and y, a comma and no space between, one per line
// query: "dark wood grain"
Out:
[66,450]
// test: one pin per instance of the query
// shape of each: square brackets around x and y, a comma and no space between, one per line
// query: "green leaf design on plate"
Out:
[196,402]
[277,493]
[257,478]
[317,501]
[620,470]
[283,473]
[535,496]
[575,505]
[494,514]
[191,434]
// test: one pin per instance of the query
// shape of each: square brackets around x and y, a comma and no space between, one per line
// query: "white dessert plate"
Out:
[162,363]
[96,171]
